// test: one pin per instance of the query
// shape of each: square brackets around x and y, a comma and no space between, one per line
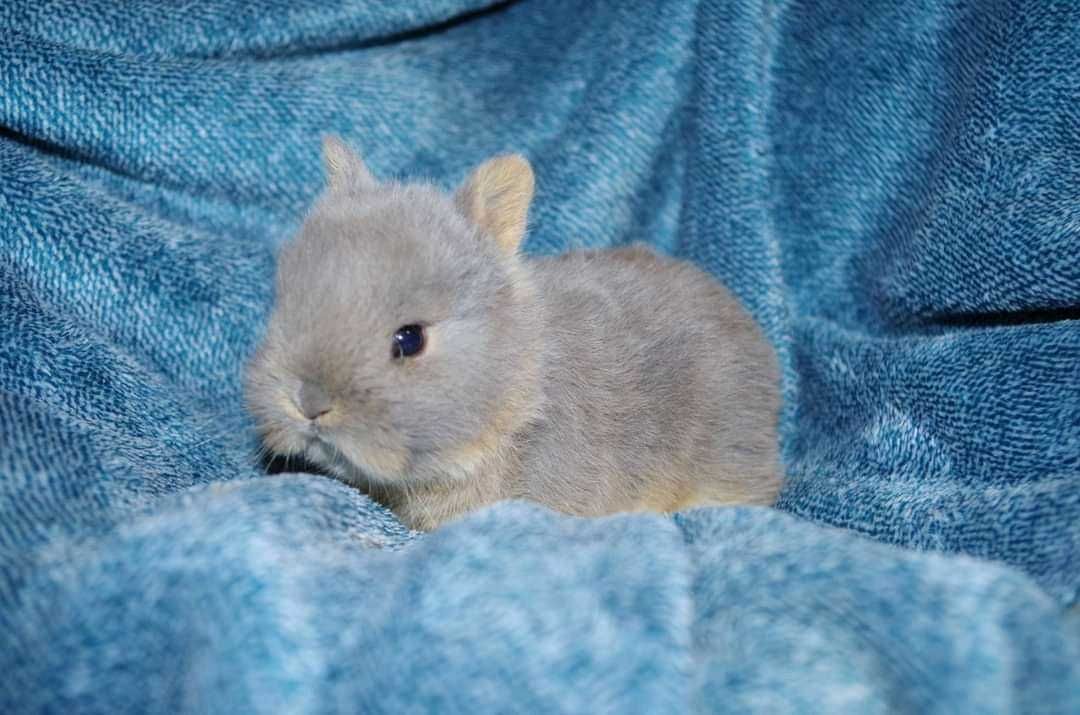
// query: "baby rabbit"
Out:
[414,352]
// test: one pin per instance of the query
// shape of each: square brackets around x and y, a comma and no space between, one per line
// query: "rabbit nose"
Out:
[314,402]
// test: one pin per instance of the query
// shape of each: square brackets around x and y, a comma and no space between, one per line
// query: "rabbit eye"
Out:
[408,341]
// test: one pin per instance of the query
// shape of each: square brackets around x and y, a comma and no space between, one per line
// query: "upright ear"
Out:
[496,197]
[344,169]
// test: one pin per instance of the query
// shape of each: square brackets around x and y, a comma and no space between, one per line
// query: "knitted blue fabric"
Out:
[892,188]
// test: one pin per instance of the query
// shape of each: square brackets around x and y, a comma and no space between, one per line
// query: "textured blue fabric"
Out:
[893,188]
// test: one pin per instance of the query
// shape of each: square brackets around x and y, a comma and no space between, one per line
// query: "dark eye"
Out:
[408,341]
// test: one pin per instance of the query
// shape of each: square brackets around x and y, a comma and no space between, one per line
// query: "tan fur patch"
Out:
[484,448]
[668,493]
[489,448]
[290,409]
[379,462]
[383,461]
[496,197]
[635,253]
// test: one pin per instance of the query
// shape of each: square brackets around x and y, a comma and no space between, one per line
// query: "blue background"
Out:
[892,188]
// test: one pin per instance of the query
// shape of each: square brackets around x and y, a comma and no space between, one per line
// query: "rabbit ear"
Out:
[344,169]
[496,198]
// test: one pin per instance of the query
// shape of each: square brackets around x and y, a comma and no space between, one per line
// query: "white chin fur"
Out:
[326,457]
[347,464]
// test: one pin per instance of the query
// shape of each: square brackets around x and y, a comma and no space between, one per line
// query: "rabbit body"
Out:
[594,382]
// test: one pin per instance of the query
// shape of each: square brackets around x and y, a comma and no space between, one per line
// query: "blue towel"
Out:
[892,188]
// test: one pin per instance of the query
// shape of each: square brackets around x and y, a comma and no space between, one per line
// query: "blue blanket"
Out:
[892,188]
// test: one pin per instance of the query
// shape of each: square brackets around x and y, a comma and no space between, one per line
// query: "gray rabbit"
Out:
[413,351]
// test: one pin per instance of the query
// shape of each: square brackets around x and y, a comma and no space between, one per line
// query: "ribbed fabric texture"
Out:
[892,188]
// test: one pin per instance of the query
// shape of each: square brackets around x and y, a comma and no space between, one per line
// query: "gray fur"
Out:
[314,400]
[593,383]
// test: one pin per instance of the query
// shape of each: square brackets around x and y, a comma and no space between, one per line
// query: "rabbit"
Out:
[415,352]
